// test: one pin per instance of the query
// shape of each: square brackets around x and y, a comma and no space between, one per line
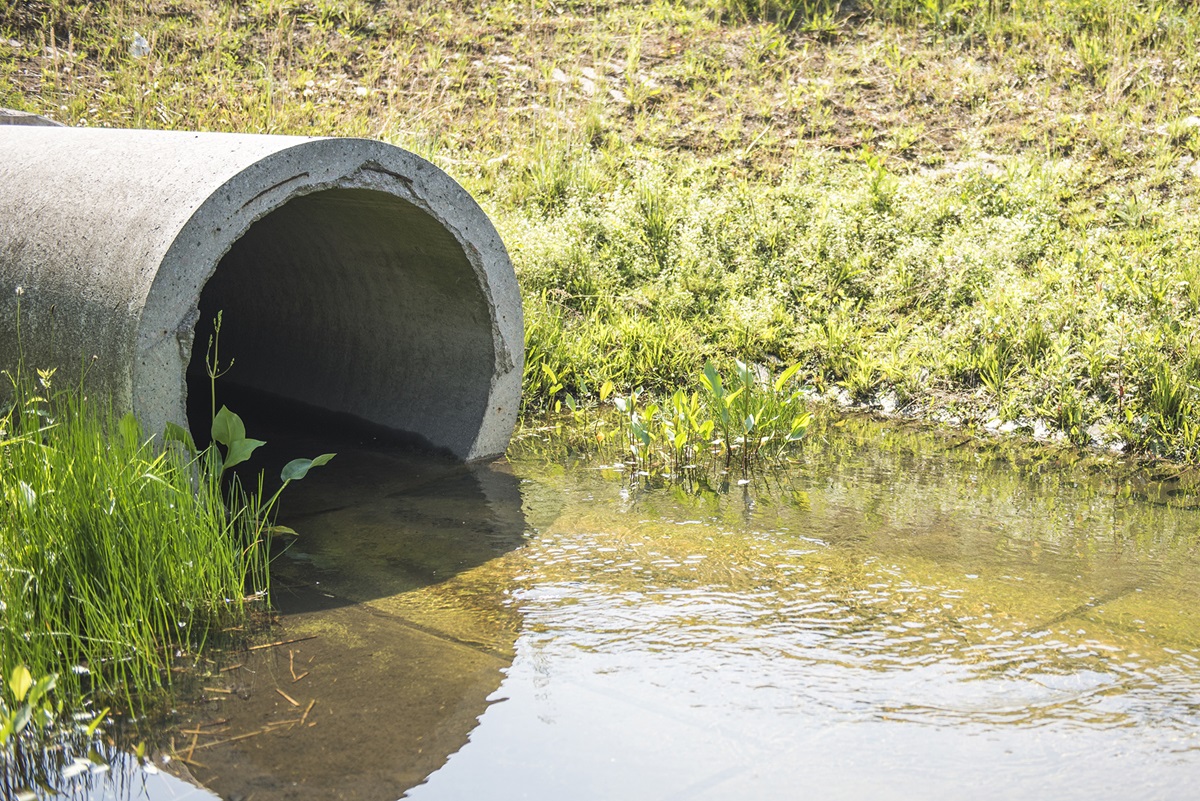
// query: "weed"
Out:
[95,509]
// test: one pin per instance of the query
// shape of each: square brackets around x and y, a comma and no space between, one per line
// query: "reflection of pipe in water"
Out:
[399,578]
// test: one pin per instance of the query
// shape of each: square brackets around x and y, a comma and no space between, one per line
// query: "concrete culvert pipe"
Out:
[351,275]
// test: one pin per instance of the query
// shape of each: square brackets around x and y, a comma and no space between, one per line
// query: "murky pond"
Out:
[893,617]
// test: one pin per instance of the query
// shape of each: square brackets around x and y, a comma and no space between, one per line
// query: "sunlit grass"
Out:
[118,559]
[974,211]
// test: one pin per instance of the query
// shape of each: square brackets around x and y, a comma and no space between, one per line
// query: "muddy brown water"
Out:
[892,617]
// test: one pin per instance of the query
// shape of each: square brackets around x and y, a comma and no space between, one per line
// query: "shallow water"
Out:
[890,620]
[894,617]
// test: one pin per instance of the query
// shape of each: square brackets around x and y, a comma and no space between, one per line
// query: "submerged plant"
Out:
[41,742]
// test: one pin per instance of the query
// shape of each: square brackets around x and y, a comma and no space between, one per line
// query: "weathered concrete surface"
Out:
[10,117]
[352,276]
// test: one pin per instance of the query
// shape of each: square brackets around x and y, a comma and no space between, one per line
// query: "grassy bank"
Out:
[118,561]
[975,211]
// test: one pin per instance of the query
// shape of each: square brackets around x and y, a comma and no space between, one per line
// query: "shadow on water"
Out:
[394,602]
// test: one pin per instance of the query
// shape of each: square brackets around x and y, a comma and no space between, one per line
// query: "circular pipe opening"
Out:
[354,301]
[352,276]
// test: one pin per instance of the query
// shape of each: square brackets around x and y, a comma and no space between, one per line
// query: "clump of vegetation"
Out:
[117,556]
[973,212]
[121,554]
[749,422]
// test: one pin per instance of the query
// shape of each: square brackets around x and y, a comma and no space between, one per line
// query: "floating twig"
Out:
[304,717]
[211,733]
[287,697]
[232,739]
[275,724]
[281,642]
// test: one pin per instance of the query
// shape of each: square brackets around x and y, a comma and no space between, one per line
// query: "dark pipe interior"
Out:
[356,302]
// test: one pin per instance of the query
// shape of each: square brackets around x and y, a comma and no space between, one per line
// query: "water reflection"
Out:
[123,778]
[895,619]
[394,602]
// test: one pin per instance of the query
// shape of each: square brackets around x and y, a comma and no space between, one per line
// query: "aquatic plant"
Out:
[42,742]
[752,421]
[116,556]
[120,554]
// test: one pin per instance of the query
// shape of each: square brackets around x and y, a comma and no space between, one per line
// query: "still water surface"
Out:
[893,617]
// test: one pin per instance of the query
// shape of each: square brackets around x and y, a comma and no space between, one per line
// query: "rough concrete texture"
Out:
[351,274]
[11,117]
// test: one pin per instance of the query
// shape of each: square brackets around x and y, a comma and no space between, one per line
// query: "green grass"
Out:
[971,211]
[118,559]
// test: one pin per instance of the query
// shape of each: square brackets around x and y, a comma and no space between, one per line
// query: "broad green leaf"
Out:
[605,390]
[298,468]
[712,380]
[640,432]
[177,433]
[21,719]
[227,427]
[95,724]
[19,682]
[550,373]
[281,531]
[39,689]
[786,376]
[240,450]
[748,423]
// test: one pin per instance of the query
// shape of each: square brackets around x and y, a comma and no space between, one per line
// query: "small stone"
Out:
[140,48]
